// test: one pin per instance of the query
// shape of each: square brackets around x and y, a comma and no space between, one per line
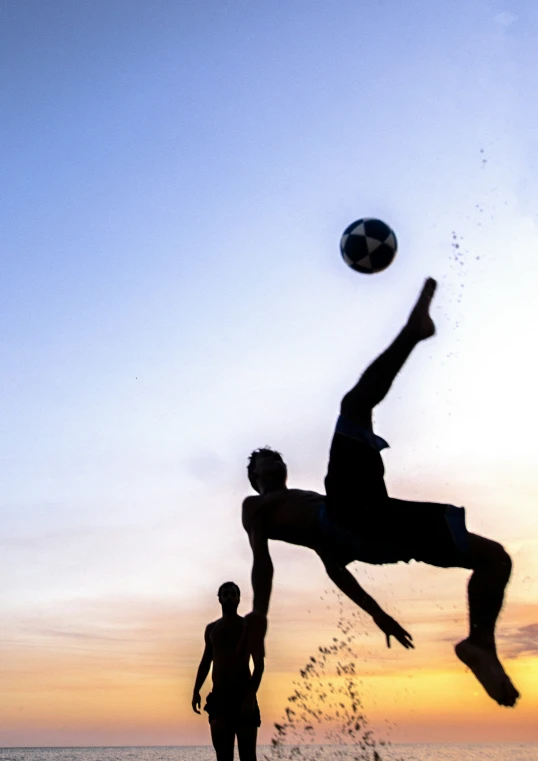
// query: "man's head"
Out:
[266,470]
[229,596]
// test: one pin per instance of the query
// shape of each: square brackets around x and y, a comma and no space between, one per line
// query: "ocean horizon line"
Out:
[268,745]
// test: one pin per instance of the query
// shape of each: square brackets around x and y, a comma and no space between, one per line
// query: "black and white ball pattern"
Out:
[368,245]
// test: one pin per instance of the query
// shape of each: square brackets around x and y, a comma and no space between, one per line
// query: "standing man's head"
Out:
[266,470]
[229,596]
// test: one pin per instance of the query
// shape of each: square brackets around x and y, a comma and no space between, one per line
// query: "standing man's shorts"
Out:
[228,706]
[386,530]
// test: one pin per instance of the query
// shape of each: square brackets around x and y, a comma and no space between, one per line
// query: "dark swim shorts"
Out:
[365,522]
[228,706]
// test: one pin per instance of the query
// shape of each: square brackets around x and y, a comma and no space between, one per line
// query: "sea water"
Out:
[416,752]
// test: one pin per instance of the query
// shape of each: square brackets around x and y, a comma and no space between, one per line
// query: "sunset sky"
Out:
[176,177]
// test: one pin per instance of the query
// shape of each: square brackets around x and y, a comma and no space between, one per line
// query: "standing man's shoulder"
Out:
[210,627]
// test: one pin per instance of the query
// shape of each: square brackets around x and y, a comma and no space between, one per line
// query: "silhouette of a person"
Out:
[232,705]
[357,520]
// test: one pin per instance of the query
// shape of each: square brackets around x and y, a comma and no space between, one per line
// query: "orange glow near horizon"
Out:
[139,692]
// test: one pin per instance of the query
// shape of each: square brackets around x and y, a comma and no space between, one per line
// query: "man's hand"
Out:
[255,627]
[196,702]
[392,628]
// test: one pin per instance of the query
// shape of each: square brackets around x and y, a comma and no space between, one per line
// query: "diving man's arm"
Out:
[348,584]
[203,671]
[262,577]
[262,567]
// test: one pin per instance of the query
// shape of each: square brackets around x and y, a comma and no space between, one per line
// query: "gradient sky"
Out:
[176,177]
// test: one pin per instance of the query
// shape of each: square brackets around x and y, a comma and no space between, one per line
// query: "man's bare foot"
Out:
[420,322]
[488,670]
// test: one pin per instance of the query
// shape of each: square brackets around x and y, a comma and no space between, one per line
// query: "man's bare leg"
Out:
[223,738]
[492,564]
[246,743]
[491,571]
[375,382]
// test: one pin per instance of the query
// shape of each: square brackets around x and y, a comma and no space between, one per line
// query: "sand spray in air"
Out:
[324,717]
[461,255]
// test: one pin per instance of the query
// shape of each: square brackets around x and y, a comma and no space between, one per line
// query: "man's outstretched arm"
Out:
[262,566]
[348,584]
[203,671]
[262,584]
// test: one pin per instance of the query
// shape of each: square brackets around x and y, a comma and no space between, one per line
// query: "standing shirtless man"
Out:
[231,705]
[357,520]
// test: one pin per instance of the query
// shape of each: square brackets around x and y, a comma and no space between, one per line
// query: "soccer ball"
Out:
[368,245]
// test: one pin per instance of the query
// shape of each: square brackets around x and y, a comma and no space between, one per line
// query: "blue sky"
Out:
[176,178]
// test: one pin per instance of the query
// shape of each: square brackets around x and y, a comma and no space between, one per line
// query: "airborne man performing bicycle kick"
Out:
[357,520]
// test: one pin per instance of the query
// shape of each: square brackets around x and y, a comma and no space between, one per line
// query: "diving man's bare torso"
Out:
[288,515]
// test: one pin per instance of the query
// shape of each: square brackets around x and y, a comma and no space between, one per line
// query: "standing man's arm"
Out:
[203,671]
[258,660]
[259,665]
